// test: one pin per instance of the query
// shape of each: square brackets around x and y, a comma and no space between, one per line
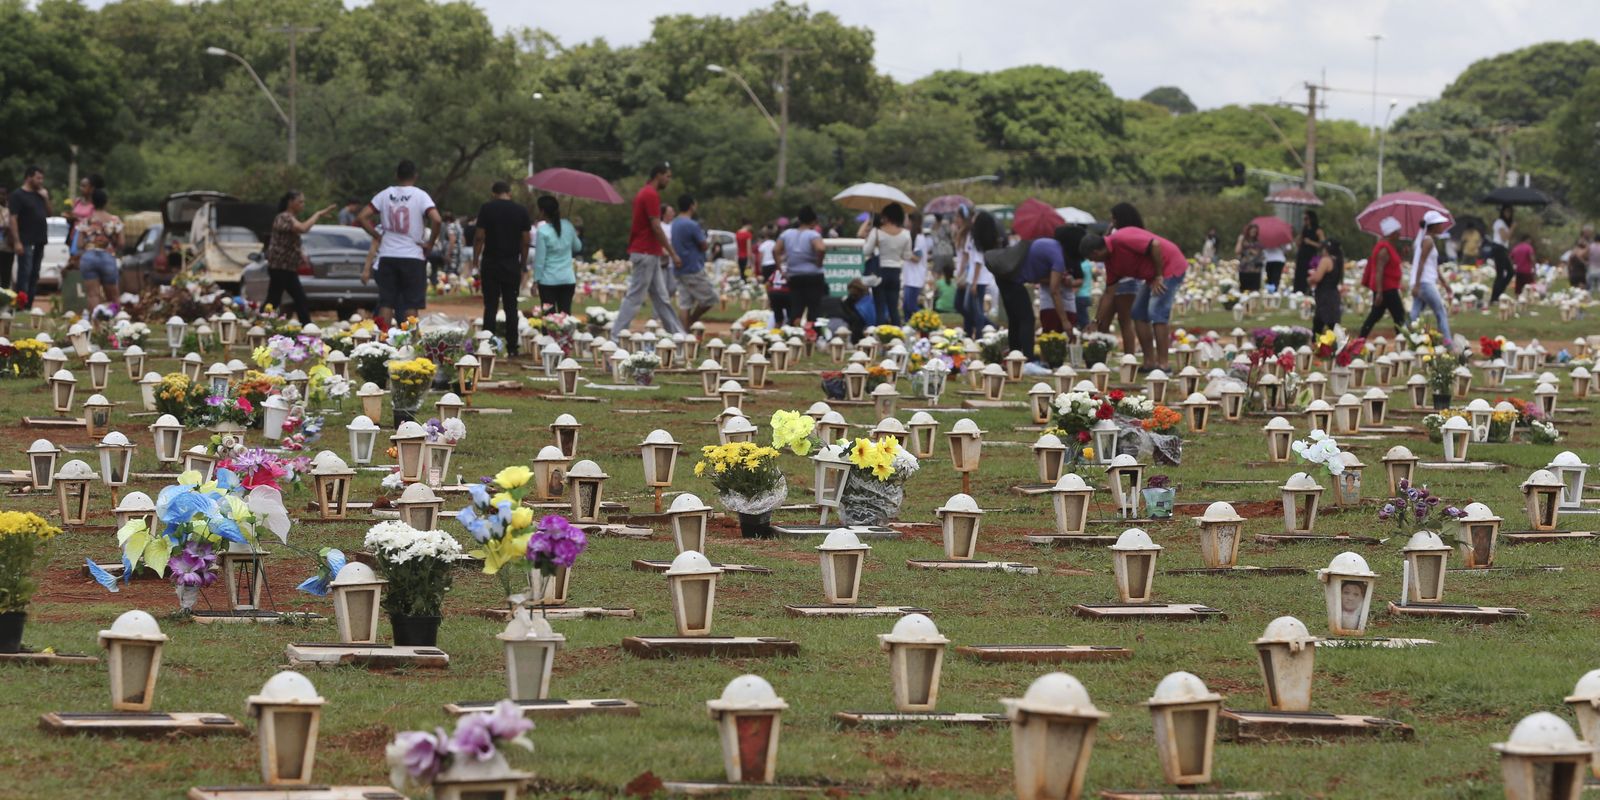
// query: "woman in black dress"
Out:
[1326,279]
[1310,242]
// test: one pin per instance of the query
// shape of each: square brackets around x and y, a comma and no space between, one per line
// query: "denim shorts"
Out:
[1149,308]
[1127,286]
[402,283]
[98,265]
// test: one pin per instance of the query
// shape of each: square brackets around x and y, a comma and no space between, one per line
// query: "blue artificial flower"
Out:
[179,504]
[479,494]
[226,479]
[226,528]
[102,577]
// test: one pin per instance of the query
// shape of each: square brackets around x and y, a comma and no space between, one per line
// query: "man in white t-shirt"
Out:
[410,225]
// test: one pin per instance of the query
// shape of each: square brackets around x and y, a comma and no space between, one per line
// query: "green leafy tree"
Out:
[1171,98]
[57,91]
[1576,135]
[1526,85]
[1446,148]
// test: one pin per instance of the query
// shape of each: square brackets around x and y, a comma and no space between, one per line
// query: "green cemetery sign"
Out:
[842,263]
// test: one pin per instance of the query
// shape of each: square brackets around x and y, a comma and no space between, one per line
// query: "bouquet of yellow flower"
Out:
[28,360]
[875,487]
[21,534]
[925,321]
[793,430]
[1052,348]
[888,333]
[415,374]
[511,539]
[884,460]
[182,398]
[740,468]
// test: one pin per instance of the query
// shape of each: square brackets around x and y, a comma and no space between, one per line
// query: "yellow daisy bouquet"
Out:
[925,321]
[416,374]
[793,430]
[21,536]
[882,459]
[741,468]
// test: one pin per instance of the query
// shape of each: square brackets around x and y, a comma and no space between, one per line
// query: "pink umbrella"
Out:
[1407,207]
[946,204]
[1294,196]
[574,183]
[1274,232]
[1035,219]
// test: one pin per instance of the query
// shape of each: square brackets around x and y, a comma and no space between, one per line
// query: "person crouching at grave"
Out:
[1158,266]
[860,310]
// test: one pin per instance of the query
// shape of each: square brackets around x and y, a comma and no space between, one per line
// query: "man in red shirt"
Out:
[1383,278]
[1159,266]
[741,240]
[648,251]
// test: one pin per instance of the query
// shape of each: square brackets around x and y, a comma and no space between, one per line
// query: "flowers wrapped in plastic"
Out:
[875,487]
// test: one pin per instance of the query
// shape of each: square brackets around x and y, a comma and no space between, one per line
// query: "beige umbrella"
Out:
[873,197]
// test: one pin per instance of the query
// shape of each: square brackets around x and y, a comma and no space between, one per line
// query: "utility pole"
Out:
[1376,38]
[1310,107]
[785,56]
[293,32]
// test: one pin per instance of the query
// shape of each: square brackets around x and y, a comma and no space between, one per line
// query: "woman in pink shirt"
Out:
[1159,266]
[1522,257]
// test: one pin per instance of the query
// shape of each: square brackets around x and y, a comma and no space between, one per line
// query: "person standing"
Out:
[284,254]
[983,237]
[799,257]
[407,214]
[350,212]
[99,239]
[743,239]
[1251,257]
[29,232]
[1045,266]
[8,245]
[1522,259]
[499,257]
[690,243]
[891,242]
[914,275]
[1326,279]
[1425,272]
[1383,278]
[558,243]
[1158,267]
[1592,255]
[1208,251]
[647,243]
[1309,241]
[1272,261]
[1125,290]
[82,209]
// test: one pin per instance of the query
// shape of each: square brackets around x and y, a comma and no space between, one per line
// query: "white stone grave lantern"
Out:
[419,507]
[72,491]
[1014,361]
[97,415]
[168,434]
[1104,433]
[99,370]
[688,518]
[1197,410]
[923,434]
[1127,368]
[1301,498]
[116,459]
[1480,412]
[203,335]
[1572,472]
[973,372]
[1185,713]
[363,439]
[1064,377]
[832,428]
[1399,465]
[371,398]
[338,363]
[1317,384]
[1347,590]
[550,358]
[408,441]
[1456,434]
[836,349]
[549,473]
[733,359]
[1545,396]
[357,591]
[1100,376]
[1155,385]
[567,376]
[136,505]
[290,711]
[1287,654]
[147,390]
[1188,380]
[732,394]
[256,336]
[1302,358]
[916,659]
[1425,558]
[1052,736]
[1541,494]
[759,366]
[299,381]
[749,716]
[1462,384]
[1478,536]
[781,354]
[737,429]
[332,478]
[1272,392]
[133,644]
[42,455]
[603,354]
[486,359]
[1133,561]
[1220,530]
[531,647]
[133,360]
[994,381]
[891,428]
[1049,455]
[1233,395]
[62,387]
[960,519]
[200,459]
[585,486]
[53,360]
[869,346]
[1544,759]
[966,446]
[1359,370]
[449,406]
[192,365]
[660,454]
[1070,498]
[1581,381]
[1417,387]
[470,779]
[933,380]
[855,381]
[238,368]
[176,328]
[274,412]
[1126,477]
[1494,373]
[727,414]
[843,557]
[1319,415]
[218,376]
[1383,369]
[467,377]
[1347,484]
[1585,703]
[884,399]
[692,583]
[566,429]
[1375,406]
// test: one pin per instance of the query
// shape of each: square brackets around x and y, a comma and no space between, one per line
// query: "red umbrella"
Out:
[1407,207]
[574,183]
[1035,219]
[1294,196]
[946,204]
[1274,232]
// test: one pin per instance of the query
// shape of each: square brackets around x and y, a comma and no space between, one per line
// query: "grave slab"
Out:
[1451,611]
[884,719]
[710,646]
[622,531]
[553,709]
[1083,540]
[48,659]
[574,398]
[1301,538]
[1032,489]
[980,566]
[52,423]
[1463,466]
[1156,611]
[710,788]
[1239,572]
[378,656]
[131,723]
[1044,653]
[561,612]
[307,792]
[1303,726]
[1543,537]
[852,611]
[990,405]
[256,616]
[647,565]
[1180,794]
[1378,642]
[1506,570]
[863,532]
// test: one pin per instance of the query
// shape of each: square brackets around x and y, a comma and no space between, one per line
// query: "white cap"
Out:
[355,573]
[913,629]
[136,502]
[659,436]
[959,503]
[889,425]
[1300,481]
[166,421]
[1123,460]
[690,562]
[369,389]
[1456,424]
[1389,226]
[1588,688]
[730,387]
[450,399]
[135,626]
[287,688]
[1277,424]
[550,453]
[923,418]
[43,446]
[76,470]
[1424,542]
[566,419]
[115,439]
[747,693]
[885,389]
[1543,734]
[328,462]
[965,426]
[1156,375]
[1070,482]
[1055,693]
[526,628]
[1542,477]
[1477,512]
[1375,394]
[1049,441]
[361,422]
[682,504]
[1221,511]
[1351,564]
[1286,630]
[410,429]
[1197,399]
[1181,688]
[1135,539]
[819,408]
[1566,458]
[842,539]
[831,418]
[1480,404]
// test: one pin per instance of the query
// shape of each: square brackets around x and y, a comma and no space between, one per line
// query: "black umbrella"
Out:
[1516,196]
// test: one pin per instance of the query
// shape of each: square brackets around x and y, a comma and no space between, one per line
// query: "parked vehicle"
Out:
[219,231]
[55,253]
[335,255]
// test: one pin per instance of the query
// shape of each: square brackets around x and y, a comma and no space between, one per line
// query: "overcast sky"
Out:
[1218,51]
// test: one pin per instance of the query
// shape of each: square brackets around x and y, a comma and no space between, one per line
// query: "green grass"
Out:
[1461,695]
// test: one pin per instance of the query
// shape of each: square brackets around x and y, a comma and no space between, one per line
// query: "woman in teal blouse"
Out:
[557,243]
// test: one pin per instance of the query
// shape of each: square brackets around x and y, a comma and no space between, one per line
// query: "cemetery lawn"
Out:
[1460,695]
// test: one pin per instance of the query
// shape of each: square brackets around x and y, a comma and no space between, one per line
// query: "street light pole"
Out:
[288,118]
[1376,38]
[1383,136]
[780,125]
[537,96]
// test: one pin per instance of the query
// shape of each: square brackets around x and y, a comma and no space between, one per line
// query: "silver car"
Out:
[336,256]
